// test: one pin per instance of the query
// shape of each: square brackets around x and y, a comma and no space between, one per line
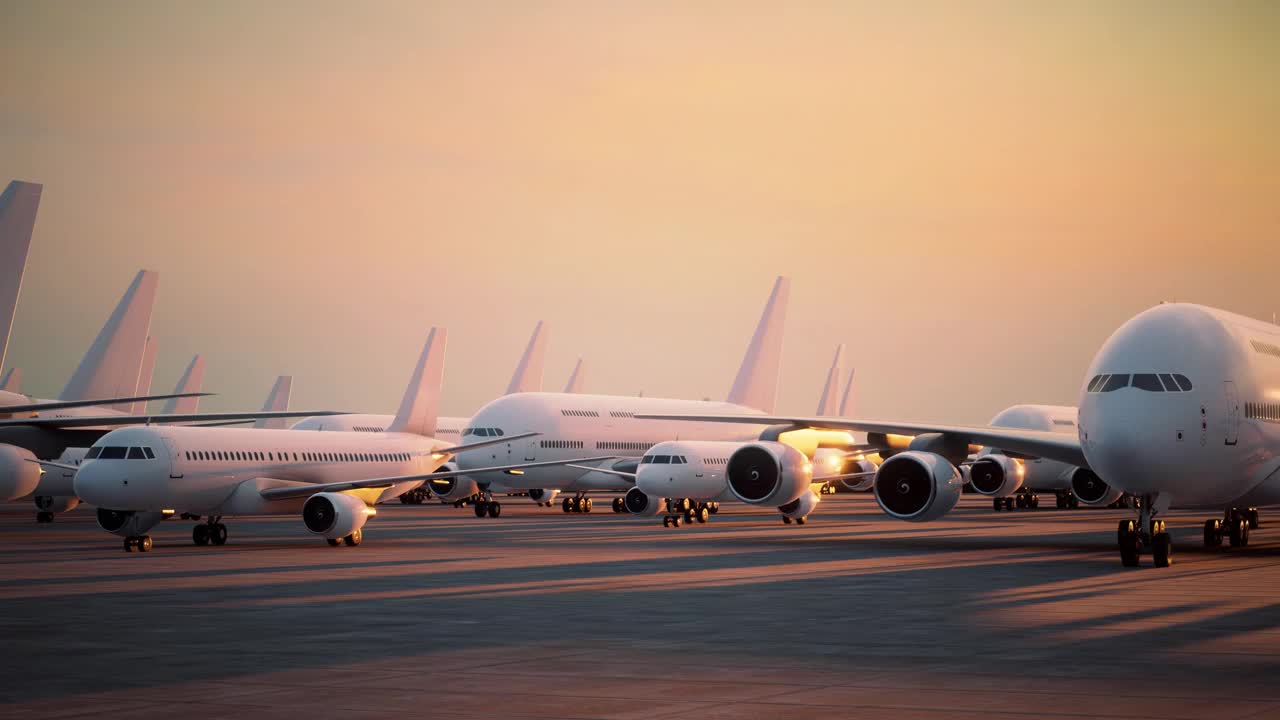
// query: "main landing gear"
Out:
[488,506]
[351,540]
[577,504]
[1132,536]
[141,543]
[416,496]
[44,516]
[1022,500]
[689,511]
[827,489]
[1065,500]
[212,532]
[1234,525]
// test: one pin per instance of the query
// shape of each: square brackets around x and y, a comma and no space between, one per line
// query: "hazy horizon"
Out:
[971,197]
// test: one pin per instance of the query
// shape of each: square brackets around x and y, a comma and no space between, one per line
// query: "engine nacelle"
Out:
[638,503]
[996,475]
[455,488]
[1091,490]
[56,503]
[858,466]
[918,486]
[801,506]
[768,473]
[127,523]
[542,496]
[335,515]
[18,475]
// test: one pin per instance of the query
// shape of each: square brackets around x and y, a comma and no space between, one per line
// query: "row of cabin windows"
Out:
[663,460]
[1266,348]
[580,413]
[624,445]
[367,428]
[117,452]
[1151,382]
[1262,411]
[621,414]
[483,432]
[279,456]
[563,444]
[715,461]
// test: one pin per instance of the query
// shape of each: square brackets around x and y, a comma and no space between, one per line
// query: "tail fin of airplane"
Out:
[576,379]
[18,207]
[827,403]
[12,381]
[756,385]
[192,381]
[421,403]
[528,374]
[278,401]
[110,368]
[144,375]
[846,402]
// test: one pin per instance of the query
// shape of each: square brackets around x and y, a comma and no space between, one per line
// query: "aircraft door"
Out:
[1233,413]
[530,454]
[172,447]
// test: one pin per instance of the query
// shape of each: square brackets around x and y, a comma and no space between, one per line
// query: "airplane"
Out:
[1180,405]
[571,424]
[137,476]
[18,207]
[576,380]
[12,382]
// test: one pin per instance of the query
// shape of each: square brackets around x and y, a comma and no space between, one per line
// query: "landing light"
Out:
[515,472]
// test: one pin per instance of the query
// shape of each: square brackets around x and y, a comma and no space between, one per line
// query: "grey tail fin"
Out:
[110,368]
[192,381]
[576,379]
[827,403]
[756,385]
[144,375]
[528,374]
[421,404]
[846,402]
[18,207]
[12,381]
[277,400]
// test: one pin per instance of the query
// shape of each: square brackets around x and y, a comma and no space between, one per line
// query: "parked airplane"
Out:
[138,476]
[12,382]
[1180,405]
[18,206]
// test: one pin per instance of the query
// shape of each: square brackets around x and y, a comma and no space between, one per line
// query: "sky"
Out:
[971,195]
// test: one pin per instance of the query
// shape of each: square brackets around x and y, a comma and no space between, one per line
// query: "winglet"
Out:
[18,207]
[576,379]
[277,400]
[110,368]
[420,406]
[846,402]
[756,385]
[827,403]
[191,381]
[12,381]
[528,374]
[144,376]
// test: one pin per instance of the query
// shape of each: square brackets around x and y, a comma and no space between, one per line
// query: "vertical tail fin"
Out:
[18,207]
[278,401]
[756,385]
[576,379]
[420,406]
[827,403]
[110,368]
[144,375]
[846,402]
[12,381]
[192,381]
[528,374]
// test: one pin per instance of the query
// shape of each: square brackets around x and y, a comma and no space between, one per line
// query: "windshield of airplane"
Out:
[1150,382]
[118,452]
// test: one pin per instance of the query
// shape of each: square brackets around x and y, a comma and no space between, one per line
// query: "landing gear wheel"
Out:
[144,543]
[1162,549]
[617,505]
[1008,504]
[714,507]
[586,505]
[495,509]
[1034,502]
[44,516]
[675,521]
[565,504]
[128,544]
[333,542]
[996,504]
[703,514]
[481,508]
[200,535]
[1130,543]
[1250,514]
[802,520]
[1239,532]
[786,519]
[354,538]
[218,534]
[666,521]
[1212,533]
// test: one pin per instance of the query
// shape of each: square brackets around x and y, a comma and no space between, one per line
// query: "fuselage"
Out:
[1041,474]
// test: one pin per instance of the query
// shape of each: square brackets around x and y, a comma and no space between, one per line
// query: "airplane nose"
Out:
[98,484]
[1117,446]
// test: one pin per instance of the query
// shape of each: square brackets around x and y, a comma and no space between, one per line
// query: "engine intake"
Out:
[637,502]
[335,515]
[1092,490]
[917,486]
[768,473]
[454,488]
[996,475]
[800,507]
[542,496]
[127,523]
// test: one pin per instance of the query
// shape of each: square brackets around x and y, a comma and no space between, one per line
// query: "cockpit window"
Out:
[1150,382]
[135,453]
[1095,383]
[646,460]
[150,455]
[1183,382]
[662,459]
[113,452]
[1147,381]
[1115,382]
[1169,384]
[93,453]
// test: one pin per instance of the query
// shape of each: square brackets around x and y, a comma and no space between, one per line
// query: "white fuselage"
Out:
[447,428]
[573,425]
[1041,474]
[1211,443]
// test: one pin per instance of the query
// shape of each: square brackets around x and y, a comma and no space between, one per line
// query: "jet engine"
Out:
[1091,490]
[18,475]
[800,507]
[335,515]
[996,475]
[56,503]
[127,523]
[858,466]
[455,488]
[917,486]
[768,473]
[638,503]
[542,496]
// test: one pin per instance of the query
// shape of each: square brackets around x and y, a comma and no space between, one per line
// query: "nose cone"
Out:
[97,482]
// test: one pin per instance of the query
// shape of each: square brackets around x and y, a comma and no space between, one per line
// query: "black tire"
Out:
[333,542]
[564,504]
[1020,502]
[675,521]
[1035,502]
[354,538]
[1239,529]
[617,505]
[703,514]
[1125,528]
[1130,549]
[1162,550]
[144,543]
[786,519]
[1212,533]
[200,535]
[481,508]
[44,517]
[128,544]
[802,520]
[586,505]
[996,504]
[495,509]
[666,521]
[714,507]
[218,534]
[1251,515]
[1008,504]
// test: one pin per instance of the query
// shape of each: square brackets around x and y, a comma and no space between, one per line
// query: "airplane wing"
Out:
[483,443]
[65,404]
[51,464]
[285,493]
[1035,443]
[58,423]
[620,473]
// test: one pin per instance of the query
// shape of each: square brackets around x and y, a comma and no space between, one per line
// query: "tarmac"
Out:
[538,614]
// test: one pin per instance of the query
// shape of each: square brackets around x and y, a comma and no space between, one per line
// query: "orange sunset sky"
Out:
[972,195]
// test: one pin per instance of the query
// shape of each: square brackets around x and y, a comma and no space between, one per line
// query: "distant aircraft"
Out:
[18,206]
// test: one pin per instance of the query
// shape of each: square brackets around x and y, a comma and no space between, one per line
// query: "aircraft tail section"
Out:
[144,375]
[846,402]
[192,381]
[18,205]
[831,390]
[528,374]
[110,368]
[421,403]
[12,381]
[278,401]
[756,385]
[576,379]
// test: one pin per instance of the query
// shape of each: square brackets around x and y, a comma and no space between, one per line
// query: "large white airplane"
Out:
[1181,405]
[137,476]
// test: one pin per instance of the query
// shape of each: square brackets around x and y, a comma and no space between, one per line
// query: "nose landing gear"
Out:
[141,543]
[1147,531]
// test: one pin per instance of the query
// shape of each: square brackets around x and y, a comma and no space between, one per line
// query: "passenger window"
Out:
[1148,382]
[1115,382]
[1183,382]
